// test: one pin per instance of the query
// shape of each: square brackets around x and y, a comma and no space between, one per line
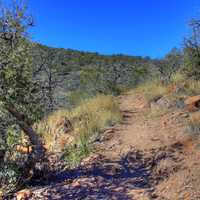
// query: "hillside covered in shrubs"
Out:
[57,102]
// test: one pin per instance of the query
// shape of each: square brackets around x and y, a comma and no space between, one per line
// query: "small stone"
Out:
[185,115]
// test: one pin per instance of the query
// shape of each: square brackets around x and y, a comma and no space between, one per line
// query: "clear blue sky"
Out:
[135,27]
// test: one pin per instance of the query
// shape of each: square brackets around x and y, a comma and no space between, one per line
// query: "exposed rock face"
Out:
[193,103]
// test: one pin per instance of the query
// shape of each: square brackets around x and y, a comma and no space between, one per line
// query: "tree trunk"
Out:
[38,151]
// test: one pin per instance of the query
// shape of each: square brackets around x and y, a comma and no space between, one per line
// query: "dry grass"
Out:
[178,78]
[193,126]
[94,114]
[47,128]
[186,86]
[152,89]
[191,87]
[88,119]
[179,87]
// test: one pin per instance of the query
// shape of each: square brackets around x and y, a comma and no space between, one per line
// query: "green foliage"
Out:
[75,153]
[9,175]
[92,79]
[78,96]
[9,168]
[192,52]
[20,94]
[169,65]
[16,73]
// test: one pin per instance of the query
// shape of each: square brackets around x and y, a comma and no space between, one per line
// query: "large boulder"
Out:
[193,103]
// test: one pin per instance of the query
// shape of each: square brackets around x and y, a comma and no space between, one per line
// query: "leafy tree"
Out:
[192,51]
[174,59]
[170,64]
[19,92]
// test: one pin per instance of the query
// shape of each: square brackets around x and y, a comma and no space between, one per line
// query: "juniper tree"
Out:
[19,93]
[192,51]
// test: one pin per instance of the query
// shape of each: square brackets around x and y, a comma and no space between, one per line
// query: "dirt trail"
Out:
[141,159]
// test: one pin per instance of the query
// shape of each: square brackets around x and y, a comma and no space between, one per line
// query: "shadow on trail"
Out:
[104,179]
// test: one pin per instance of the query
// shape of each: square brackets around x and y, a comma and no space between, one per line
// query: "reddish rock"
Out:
[24,194]
[193,103]
[24,149]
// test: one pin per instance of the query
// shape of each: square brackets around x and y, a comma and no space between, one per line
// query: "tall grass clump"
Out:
[191,87]
[177,78]
[88,119]
[186,86]
[49,130]
[152,89]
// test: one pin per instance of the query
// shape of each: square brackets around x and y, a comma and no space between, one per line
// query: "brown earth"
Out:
[148,156]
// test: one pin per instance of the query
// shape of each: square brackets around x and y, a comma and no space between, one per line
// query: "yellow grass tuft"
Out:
[88,119]
[178,78]
[192,87]
[186,86]
[152,89]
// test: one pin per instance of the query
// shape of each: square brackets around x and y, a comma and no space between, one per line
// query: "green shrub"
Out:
[9,176]
[76,97]
[12,159]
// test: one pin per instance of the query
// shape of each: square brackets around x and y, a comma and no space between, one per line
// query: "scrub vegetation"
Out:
[58,101]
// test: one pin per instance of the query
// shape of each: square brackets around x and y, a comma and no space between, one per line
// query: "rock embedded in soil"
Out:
[24,194]
[193,103]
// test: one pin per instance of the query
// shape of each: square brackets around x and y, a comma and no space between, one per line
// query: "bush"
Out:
[76,97]
[191,51]
[9,176]
[11,159]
